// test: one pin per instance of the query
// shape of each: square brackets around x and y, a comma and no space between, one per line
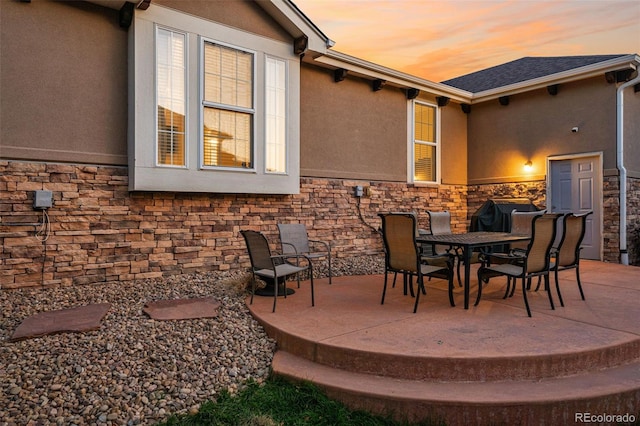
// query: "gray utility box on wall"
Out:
[43,200]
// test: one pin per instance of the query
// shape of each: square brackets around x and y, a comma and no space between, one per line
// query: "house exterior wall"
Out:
[454,145]
[349,131]
[100,232]
[244,14]
[632,132]
[65,99]
[536,125]
[63,128]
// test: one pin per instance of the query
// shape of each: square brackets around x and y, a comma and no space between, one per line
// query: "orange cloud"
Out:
[438,40]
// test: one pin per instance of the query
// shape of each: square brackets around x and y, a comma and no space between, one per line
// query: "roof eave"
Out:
[369,70]
[593,70]
[296,23]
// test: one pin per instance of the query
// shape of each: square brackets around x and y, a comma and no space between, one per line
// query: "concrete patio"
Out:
[490,364]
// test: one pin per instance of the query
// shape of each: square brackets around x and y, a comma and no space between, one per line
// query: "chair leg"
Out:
[275,292]
[539,281]
[458,268]
[384,289]
[408,282]
[329,261]
[506,292]
[558,287]
[420,282]
[253,287]
[451,301]
[579,284]
[547,287]
[313,302]
[513,287]
[480,271]
[524,295]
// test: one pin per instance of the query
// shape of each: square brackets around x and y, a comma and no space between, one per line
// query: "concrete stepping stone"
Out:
[180,309]
[78,319]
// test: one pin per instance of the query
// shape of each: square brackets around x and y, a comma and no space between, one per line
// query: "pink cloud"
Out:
[437,40]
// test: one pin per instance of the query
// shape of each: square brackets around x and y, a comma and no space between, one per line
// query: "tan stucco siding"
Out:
[453,141]
[536,125]
[65,99]
[632,132]
[243,14]
[350,131]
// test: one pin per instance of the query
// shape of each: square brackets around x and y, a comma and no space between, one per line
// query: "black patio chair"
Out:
[440,224]
[567,255]
[295,240]
[534,262]
[273,267]
[402,255]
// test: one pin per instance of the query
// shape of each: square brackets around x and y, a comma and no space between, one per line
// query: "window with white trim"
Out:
[425,143]
[171,97]
[221,112]
[228,107]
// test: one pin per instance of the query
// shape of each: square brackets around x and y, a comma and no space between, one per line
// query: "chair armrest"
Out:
[291,245]
[486,258]
[289,256]
[324,243]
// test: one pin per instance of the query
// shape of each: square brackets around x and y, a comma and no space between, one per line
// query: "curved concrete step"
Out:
[349,329]
[613,391]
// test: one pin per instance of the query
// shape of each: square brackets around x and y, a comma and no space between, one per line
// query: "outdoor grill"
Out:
[495,214]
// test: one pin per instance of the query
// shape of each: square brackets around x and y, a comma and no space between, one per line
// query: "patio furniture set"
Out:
[538,244]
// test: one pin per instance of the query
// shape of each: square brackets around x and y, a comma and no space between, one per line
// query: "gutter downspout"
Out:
[624,255]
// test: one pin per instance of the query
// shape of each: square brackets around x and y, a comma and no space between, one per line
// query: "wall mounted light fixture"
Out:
[528,166]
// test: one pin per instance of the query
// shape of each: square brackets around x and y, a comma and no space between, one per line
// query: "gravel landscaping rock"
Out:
[135,370]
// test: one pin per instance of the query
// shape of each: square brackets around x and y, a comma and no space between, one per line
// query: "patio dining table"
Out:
[467,242]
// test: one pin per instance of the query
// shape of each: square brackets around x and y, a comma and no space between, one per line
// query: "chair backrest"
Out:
[399,236]
[439,222]
[574,227]
[543,232]
[521,223]
[258,248]
[294,238]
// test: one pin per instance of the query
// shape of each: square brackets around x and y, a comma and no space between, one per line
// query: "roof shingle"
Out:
[523,69]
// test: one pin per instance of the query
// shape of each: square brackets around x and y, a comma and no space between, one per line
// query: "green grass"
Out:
[279,402]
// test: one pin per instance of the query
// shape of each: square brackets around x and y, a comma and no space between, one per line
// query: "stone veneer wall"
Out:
[633,220]
[536,191]
[101,232]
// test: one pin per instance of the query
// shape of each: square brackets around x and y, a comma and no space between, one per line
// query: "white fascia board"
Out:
[366,69]
[296,23]
[594,70]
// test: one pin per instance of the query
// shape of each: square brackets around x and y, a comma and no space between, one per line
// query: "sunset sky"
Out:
[438,40]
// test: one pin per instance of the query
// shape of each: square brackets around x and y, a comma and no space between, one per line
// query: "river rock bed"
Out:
[134,370]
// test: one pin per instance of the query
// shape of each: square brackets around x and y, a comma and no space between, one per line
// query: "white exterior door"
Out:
[576,187]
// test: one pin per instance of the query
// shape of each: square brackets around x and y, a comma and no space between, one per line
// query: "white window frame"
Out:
[186,90]
[412,142]
[144,173]
[282,143]
[203,104]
